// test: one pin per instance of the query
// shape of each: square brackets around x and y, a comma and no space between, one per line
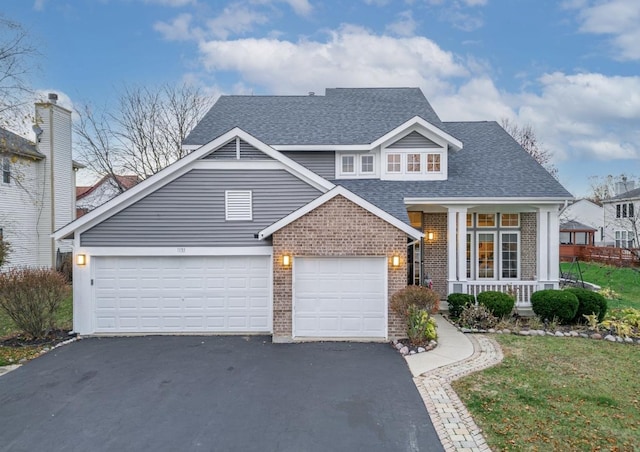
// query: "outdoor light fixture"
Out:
[81,259]
[395,261]
[430,236]
[286,260]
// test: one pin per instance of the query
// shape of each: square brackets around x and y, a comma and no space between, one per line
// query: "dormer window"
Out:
[356,165]
[394,163]
[413,163]
[348,164]
[366,164]
[433,163]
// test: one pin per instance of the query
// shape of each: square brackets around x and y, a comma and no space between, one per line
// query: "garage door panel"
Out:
[340,297]
[183,294]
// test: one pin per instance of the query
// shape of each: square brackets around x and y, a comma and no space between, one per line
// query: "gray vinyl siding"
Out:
[413,141]
[190,211]
[228,151]
[322,163]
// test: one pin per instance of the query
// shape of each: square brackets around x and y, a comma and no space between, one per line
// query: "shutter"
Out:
[238,205]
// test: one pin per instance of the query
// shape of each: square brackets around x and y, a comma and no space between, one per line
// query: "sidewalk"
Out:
[456,355]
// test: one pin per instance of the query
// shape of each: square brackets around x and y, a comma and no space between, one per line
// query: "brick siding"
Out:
[435,252]
[529,245]
[337,228]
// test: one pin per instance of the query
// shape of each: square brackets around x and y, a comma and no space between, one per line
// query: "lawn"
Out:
[625,281]
[557,394]
[11,355]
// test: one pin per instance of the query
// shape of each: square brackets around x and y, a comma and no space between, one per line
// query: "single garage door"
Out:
[168,294]
[341,297]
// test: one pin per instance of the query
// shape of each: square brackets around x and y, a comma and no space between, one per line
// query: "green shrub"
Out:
[498,303]
[551,303]
[589,303]
[418,296]
[477,316]
[421,327]
[457,302]
[30,297]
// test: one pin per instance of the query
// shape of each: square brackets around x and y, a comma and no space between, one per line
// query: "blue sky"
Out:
[569,68]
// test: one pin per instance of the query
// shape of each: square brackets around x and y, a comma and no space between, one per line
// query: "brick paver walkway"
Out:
[452,421]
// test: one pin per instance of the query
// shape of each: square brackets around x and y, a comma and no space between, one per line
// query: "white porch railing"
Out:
[522,290]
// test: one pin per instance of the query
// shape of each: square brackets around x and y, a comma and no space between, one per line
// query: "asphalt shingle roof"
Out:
[573,225]
[15,144]
[635,193]
[341,117]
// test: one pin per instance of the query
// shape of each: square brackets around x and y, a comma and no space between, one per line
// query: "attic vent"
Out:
[238,205]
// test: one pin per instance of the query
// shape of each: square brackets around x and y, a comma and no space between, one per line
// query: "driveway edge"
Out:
[453,423]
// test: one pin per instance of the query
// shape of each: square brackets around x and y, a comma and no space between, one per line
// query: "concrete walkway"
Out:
[458,355]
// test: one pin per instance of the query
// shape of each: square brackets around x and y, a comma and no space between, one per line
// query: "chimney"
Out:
[53,98]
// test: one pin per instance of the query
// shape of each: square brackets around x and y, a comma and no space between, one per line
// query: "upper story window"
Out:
[624,210]
[509,220]
[6,170]
[433,163]
[486,220]
[394,163]
[366,164]
[413,163]
[348,164]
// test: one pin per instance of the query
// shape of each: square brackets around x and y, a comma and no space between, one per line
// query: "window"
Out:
[366,163]
[413,163]
[415,218]
[509,264]
[433,163]
[238,205]
[565,238]
[510,220]
[486,252]
[348,164]
[624,239]
[469,255]
[394,163]
[631,212]
[486,220]
[6,170]
[618,210]
[469,220]
[624,211]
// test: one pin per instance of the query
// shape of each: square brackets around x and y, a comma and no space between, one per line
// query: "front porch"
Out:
[511,247]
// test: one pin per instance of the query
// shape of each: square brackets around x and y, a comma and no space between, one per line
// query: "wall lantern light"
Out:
[81,259]
[430,236]
[395,261]
[286,260]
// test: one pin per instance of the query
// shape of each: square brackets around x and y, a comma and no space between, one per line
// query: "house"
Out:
[37,187]
[299,216]
[620,217]
[88,198]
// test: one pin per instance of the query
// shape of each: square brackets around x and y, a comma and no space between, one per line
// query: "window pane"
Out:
[486,261]
[486,220]
[433,163]
[469,256]
[469,220]
[6,170]
[631,210]
[510,220]
[413,163]
[393,163]
[366,162]
[509,255]
[624,211]
[617,210]
[348,164]
[565,238]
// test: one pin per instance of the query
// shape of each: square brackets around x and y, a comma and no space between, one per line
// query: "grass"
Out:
[625,281]
[12,355]
[557,394]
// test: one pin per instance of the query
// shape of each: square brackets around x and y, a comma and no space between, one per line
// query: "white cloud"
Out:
[301,7]
[376,2]
[171,3]
[38,5]
[476,100]
[179,29]
[288,67]
[618,18]
[405,25]
[475,2]
[235,19]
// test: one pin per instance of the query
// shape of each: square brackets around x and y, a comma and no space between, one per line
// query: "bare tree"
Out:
[527,138]
[17,55]
[143,134]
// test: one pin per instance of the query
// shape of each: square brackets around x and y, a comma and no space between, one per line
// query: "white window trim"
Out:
[242,216]
[477,256]
[519,254]
[355,163]
[404,173]
[373,164]
[495,217]
[402,159]
[420,163]
[426,163]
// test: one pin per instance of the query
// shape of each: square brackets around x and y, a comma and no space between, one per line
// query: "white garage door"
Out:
[342,297]
[163,294]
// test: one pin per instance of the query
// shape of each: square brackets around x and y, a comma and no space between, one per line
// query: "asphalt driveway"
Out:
[223,393]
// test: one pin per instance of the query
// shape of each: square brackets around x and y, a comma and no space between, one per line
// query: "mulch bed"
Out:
[53,338]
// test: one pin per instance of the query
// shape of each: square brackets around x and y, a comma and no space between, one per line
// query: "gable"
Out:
[237,149]
[414,140]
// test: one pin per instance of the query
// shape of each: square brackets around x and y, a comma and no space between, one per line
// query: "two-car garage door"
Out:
[169,294]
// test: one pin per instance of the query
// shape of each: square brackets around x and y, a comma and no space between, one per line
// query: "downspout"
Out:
[53,207]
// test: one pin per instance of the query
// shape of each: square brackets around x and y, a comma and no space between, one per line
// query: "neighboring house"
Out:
[621,218]
[299,216]
[88,198]
[587,213]
[37,193]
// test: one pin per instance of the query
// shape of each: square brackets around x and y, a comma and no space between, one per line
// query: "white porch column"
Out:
[452,254]
[543,243]
[554,245]
[462,244]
